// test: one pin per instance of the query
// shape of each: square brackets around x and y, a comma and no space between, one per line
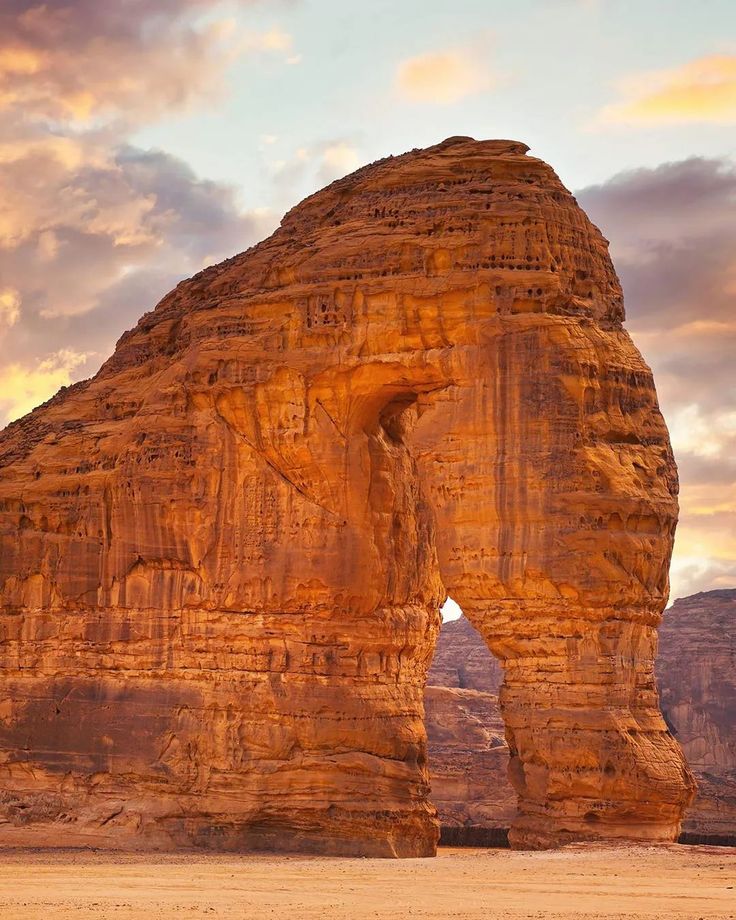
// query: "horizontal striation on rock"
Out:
[696,670]
[222,558]
[467,750]
[468,755]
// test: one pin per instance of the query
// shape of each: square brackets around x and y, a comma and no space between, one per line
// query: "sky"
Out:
[141,140]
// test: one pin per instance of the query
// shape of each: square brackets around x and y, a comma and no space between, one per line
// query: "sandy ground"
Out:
[575,882]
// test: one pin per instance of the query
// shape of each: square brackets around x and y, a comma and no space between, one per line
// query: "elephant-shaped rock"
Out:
[222,558]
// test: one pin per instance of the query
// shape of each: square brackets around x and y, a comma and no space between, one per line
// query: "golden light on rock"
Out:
[222,558]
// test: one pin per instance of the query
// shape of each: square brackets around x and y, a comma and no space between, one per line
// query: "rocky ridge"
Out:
[468,754]
[696,671]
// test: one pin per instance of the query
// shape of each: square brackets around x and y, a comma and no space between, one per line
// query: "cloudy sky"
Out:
[143,139]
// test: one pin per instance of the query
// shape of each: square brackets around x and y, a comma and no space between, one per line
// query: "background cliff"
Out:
[696,673]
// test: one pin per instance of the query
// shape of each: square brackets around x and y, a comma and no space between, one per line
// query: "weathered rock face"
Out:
[696,673]
[462,660]
[468,758]
[468,754]
[221,559]
[696,670]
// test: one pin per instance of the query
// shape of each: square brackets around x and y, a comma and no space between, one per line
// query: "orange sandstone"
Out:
[468,757]
[221,559]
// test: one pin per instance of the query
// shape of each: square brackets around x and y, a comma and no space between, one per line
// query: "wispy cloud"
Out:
[337,160]
[273,40]
[23,387]
[93,230]
[444,76]
[9,306]
[703,90]
[309,168]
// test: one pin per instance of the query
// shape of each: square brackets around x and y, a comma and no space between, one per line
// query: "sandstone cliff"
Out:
[468,754]
[696,672]
[221,559]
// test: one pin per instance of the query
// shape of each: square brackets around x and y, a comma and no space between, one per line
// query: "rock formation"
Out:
[221,559]
[468,754]
[462,660]
[696,673]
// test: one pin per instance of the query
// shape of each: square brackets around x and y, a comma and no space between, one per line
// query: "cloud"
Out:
[86,250]
[442,77]
[647,206]
[310,168]
[93,230]
[274,40]
[81,60]
[9,306]
[690,576]
[90,225]
[703,90]
[22,387]
[86,61]
[337,160]
[673,240]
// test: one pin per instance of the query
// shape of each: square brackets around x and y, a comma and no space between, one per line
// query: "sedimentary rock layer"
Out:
[221,559]
[696,668]
[468,754]
[696,671]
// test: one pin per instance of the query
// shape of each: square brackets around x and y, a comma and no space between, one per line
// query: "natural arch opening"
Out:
[467,752]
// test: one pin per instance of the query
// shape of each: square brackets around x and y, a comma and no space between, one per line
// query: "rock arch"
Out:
[222,558]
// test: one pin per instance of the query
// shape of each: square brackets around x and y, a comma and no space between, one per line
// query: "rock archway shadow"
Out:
[467,751]
[222,558]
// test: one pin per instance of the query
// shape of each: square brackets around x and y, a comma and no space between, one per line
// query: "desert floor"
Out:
[575,882]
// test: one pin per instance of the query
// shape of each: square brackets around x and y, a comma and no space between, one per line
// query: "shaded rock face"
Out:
[462,661]
[696,670]
[221,559]
[468,754]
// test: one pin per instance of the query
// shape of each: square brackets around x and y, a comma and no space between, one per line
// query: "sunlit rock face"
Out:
[222,558]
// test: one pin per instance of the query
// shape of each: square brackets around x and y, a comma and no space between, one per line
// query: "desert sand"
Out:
[464,884]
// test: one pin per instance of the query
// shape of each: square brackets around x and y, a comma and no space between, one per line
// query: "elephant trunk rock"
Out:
[222,558]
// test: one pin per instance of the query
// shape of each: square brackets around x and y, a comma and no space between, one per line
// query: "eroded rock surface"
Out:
[221,559]
[468,754]
[696,670]
[696,673]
